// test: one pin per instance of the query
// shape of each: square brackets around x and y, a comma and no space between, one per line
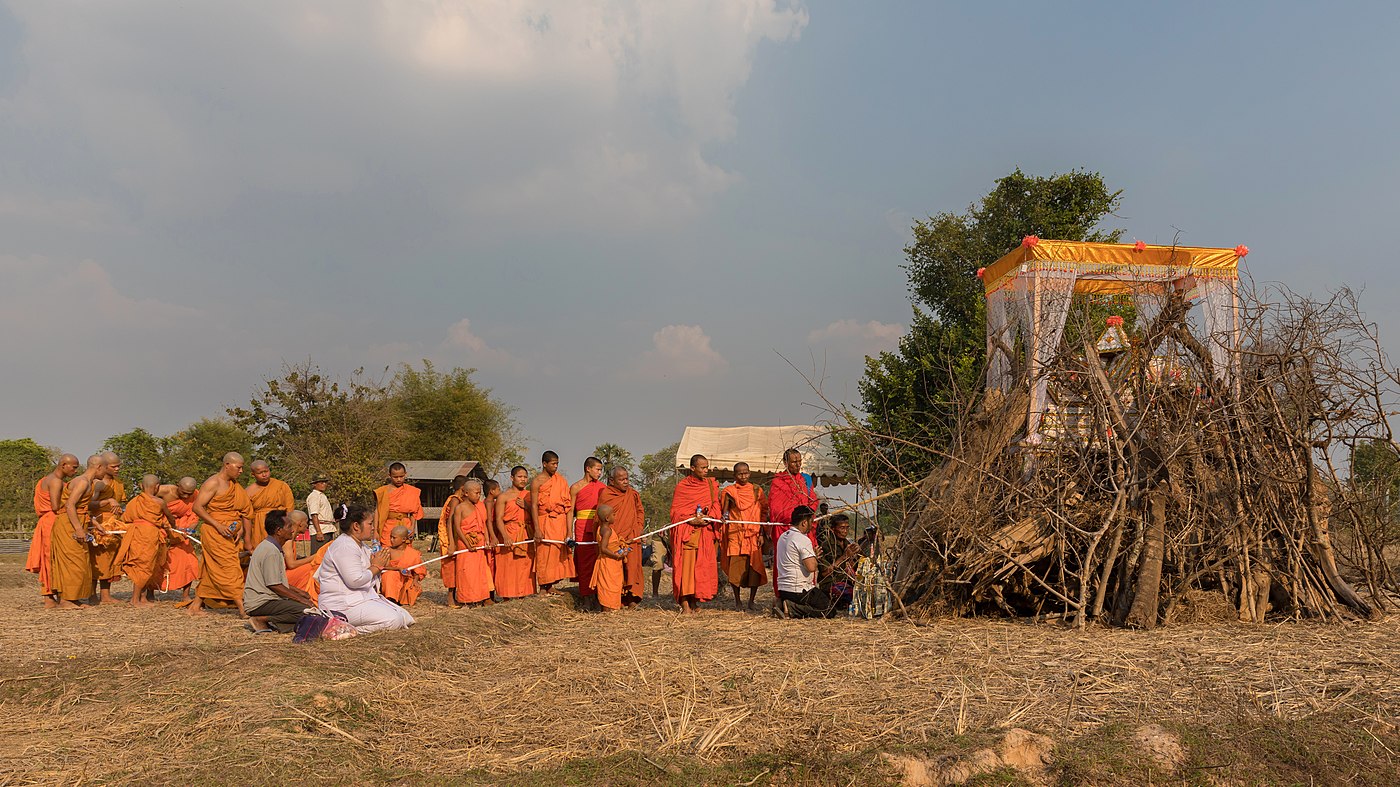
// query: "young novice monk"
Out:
[607,571]
[397,584]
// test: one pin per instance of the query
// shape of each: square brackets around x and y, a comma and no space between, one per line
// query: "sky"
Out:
[628,217]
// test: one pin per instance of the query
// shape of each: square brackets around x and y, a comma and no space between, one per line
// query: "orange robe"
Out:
[553,562]
[220,572]
[607,573]
[515,563]
[742,554]
[628,519]
[142,552]
[474,581]
[694,570]
[447,567]
[276,496]
[39,546]
[303,577]
[104,554]
[404,589]
[394,506]
[70,561]
[181,563]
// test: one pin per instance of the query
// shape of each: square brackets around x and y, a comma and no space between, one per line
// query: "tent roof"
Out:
[1111,267]
[439,470]
[762,448]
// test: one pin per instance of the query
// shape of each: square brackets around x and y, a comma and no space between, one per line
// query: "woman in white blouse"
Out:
[349,577]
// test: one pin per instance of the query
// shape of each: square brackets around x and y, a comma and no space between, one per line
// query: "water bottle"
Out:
[374,547]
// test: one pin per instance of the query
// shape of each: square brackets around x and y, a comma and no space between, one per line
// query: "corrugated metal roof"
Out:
[437,470]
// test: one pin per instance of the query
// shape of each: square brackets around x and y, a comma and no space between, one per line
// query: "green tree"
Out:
[198,449]
[912,396]
[614,455]
[655,480]
[141,452]
[446,415]
[22,463]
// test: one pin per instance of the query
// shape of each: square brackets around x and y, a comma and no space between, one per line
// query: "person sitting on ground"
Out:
[272,603]
[796,567]
[656,561]
[349,576]
[400,583]
[836,560]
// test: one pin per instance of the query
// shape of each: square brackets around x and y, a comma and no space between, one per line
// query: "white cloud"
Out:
[681,351]
[461,337]
[868,337]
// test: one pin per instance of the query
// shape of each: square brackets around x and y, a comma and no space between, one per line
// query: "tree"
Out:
[22,463]
[656,482]
[141,452]
[448,416]
[198,450]
[614,455]
[912,396]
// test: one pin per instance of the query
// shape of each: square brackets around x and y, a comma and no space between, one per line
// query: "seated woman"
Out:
[349,576]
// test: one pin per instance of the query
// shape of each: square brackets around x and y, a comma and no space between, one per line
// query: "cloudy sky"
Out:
[625,215]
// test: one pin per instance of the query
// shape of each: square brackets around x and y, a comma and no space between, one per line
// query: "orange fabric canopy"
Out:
[1111,267]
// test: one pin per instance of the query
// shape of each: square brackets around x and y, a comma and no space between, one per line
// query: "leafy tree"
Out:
[614,455]
[446,415]
[141,452]
[655,480]
[22,463]
[911,396]
[198,449]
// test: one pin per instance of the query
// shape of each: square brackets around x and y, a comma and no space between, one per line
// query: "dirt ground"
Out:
[535,692]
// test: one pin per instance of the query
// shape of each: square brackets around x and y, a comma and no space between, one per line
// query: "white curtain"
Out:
[1047,301]
[1220,309]
[1148,302]
[1001,326]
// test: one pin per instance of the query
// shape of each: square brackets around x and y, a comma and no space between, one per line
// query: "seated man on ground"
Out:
[836,560]
[796,567]
[400,583]
[272,604]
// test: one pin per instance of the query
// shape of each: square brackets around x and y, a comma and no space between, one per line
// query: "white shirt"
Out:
[344,575]
[319,505]
[793,577]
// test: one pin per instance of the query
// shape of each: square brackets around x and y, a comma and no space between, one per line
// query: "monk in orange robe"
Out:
[303,577]
[628,520]
[111,497]
[515,560]
[70,543]
[266,494]
[181,563]
[474,581]
[584,495]
[226,517]
[402,580]
[142,553]
[695,573]
[447,567]
[742,554]
[612,551]
[47,494]
[397,503]
[549,491]
[301,524]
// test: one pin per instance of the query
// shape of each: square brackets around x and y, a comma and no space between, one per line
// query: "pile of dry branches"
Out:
[1158,477]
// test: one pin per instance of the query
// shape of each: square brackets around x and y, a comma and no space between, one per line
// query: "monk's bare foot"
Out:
[196,608]
[49,603]
[488,603]
[64,604]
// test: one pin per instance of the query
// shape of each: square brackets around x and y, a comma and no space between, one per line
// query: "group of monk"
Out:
[495,543]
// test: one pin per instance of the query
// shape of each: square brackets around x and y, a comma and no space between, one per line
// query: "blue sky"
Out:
[624,215]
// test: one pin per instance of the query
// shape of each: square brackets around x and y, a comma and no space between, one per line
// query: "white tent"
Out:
[762,447]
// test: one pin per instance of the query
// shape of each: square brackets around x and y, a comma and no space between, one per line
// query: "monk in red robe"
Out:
[606,577]
[584,495]
[181,563]
[447,567]
[266,494]
[397,503]
[549,491]
[70,544]
[515,563]
[474,581]
[787,491]
[47,493]
[694,570]
[402,580]
[110,497]
[142,553]
[744,506]
[226,517]
[628,520]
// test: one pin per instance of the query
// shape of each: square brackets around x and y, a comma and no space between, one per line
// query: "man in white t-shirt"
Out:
[323,528]
[795,563]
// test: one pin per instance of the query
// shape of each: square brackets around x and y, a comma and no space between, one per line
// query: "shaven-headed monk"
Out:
[515,563]
[110,497]
[303,577]
[300,523]
[266,494]
[742,554]
[628,520]
[447,567]
[584,494]
[787,491]
[397,503]
[142,553]
[70,548]
[695,575]
[181,563]
[399,583]
[612,552]
[225,517]
[47,494]
[474,581]
[550,493]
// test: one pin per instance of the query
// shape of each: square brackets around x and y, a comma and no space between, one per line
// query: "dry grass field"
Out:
[533,692]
